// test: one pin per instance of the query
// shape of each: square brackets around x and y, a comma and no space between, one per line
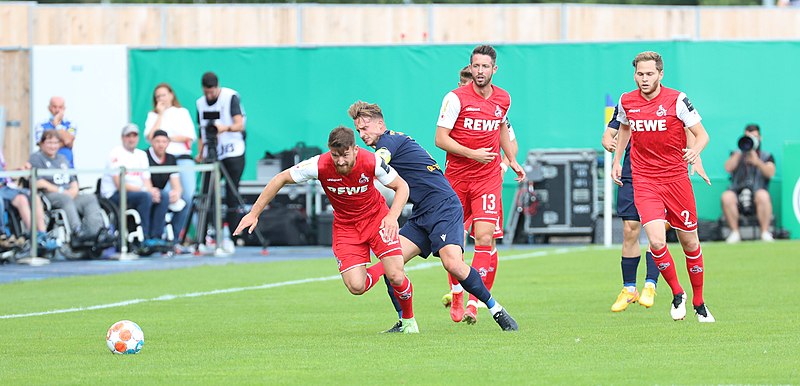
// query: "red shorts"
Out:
[672,202]
[352,242]
[498,228]
[482,201]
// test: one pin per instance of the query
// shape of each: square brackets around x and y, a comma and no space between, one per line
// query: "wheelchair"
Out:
[136,237]
[12,241]
[70,247]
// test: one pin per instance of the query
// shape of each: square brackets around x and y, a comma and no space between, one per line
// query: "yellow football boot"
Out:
[624,299]
[648,296]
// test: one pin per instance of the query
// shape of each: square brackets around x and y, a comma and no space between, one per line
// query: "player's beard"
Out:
[345,169]
[487,80]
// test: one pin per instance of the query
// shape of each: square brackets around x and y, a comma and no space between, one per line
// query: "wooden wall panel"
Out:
[14,24]
[97,24]
[364,24]
[237,25]
[15,97]
[614,23]
[230,25]
[744,23]
[508,24]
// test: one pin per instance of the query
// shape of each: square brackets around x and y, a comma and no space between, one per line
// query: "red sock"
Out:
[453,281]
[481,261]
[666,266]
[404,293]
[492,271]
[373,274]
[694,264]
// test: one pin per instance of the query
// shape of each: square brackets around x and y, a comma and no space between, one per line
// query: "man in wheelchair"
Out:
[16,218]
[82,214]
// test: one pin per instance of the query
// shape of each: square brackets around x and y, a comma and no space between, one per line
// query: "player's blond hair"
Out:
[341,138]
[649,55]
[363,109]
[464,76]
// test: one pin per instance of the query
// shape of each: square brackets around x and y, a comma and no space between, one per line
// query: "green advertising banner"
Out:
[791,188]
[299,94]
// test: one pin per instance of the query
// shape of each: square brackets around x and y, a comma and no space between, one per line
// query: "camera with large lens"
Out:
[748,142]
[211,134]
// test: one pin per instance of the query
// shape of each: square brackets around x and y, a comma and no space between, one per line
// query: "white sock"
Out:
[497,308]
[456,288]
[631,289]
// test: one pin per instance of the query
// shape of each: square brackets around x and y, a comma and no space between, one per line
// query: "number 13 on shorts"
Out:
[489,202]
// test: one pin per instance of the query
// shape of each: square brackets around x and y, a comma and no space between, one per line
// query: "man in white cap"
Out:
[150,202]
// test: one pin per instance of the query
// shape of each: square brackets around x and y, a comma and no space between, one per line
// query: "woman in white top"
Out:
[168,115]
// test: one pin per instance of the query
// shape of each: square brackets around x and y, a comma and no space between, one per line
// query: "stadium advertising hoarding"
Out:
[557,91]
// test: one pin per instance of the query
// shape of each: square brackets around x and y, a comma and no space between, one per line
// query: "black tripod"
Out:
[201,203]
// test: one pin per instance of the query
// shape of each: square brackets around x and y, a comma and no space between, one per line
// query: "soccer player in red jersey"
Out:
[361,219]
[457,312]
[472,130]
[653,118]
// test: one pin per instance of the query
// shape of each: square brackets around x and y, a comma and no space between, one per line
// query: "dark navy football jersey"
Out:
[626,161]
[425,179]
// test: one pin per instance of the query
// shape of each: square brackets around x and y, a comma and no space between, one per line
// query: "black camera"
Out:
[211,134]
[747,143]
[211,116]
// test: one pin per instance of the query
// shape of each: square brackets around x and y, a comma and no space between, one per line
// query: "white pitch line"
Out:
[168,297]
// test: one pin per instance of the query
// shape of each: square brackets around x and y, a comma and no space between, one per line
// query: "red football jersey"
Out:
[354,196]
[657,133]
[475,123]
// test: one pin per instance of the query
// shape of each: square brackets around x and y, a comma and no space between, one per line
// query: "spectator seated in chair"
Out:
[82,210]
[19,199]
[168,182]
[751,169]
[150,202]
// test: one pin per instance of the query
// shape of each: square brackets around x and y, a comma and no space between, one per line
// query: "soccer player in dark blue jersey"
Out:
[436,224]
[632,227]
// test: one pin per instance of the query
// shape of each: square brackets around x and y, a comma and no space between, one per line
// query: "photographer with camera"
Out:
[221,119]
[751,169]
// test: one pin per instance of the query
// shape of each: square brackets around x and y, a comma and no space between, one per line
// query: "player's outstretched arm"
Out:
[690,154]
[389,223]
[250,220]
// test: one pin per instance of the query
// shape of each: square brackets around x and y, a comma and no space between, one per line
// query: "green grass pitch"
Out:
[315,332]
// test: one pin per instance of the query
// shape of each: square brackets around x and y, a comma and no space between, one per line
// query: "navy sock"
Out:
[652,269]
[394,299]
[474,285]
[629,266]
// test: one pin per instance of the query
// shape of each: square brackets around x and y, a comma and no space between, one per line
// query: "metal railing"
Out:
[34,174]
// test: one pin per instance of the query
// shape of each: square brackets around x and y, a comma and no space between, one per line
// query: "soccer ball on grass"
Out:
[125,337]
